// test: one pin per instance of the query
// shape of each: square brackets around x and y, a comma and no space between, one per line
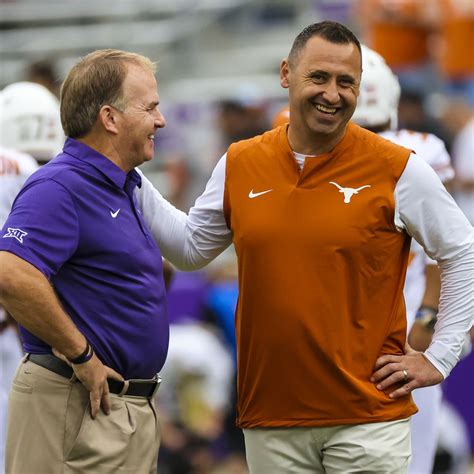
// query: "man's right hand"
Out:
[93,375]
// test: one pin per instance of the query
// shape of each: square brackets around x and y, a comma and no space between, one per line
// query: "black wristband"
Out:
[84,357]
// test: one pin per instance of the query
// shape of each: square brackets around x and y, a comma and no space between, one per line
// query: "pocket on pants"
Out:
[20,387]
[103,441]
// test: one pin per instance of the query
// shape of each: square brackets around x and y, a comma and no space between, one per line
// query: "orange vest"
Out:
[320,279]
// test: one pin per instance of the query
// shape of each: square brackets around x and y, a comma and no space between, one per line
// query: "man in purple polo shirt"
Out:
[81,273]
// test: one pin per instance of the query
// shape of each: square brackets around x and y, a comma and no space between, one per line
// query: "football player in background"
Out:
[377,111]
[30,135]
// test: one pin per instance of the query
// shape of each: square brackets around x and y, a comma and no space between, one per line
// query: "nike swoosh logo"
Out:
[114,214]
[254,195]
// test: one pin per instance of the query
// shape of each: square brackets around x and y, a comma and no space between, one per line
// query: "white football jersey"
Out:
[433,150]
[15,168]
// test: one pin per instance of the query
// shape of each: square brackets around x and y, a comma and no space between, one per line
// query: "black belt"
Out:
[133,388]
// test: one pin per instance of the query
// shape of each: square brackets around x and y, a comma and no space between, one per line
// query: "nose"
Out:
[331,92]
[160,121]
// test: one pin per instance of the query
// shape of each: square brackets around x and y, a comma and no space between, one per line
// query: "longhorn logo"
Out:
[348,192]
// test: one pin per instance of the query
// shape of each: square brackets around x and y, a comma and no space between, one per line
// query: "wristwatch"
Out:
[427,317]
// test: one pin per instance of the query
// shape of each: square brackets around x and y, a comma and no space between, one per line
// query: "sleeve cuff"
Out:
[441,357]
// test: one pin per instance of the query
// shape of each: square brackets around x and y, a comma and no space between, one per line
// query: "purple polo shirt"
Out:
[76,221]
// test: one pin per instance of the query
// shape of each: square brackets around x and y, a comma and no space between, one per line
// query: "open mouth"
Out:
[151,137]
[325,109]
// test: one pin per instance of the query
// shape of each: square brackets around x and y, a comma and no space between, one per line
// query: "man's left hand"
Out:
[412,370]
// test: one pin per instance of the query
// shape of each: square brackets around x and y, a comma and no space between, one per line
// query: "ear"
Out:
[284,72]
[108,117]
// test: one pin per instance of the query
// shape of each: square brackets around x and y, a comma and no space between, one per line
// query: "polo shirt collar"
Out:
[109,169]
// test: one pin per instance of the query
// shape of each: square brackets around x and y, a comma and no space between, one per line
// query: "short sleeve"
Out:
[42,227]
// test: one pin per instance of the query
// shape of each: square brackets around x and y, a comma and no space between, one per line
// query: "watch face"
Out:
[427,317]
[428,321]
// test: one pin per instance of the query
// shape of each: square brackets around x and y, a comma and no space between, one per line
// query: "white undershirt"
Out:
[422,207]
[300,158]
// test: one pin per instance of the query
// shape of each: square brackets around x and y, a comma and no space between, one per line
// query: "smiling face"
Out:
[323,81]
[140,117]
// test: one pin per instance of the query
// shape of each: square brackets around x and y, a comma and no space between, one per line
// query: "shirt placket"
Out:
[129,188]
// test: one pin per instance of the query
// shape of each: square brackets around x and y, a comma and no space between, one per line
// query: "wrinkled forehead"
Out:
[136,73]
[139,81]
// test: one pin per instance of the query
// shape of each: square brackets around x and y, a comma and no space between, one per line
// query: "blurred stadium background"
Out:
[218,82]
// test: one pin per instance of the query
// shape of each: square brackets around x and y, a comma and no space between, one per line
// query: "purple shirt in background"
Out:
[187,297]
[76,221]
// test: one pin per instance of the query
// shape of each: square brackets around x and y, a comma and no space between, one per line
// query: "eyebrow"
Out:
[318,73]
[345,77]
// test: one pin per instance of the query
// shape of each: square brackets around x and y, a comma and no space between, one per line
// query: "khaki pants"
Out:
[376,448]
[50,429]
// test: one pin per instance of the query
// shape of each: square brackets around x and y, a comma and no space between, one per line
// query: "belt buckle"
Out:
[157,380]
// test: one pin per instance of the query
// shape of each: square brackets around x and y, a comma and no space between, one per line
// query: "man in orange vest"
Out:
[321,214]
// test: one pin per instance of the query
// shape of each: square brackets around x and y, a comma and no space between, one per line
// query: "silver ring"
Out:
[405,375]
